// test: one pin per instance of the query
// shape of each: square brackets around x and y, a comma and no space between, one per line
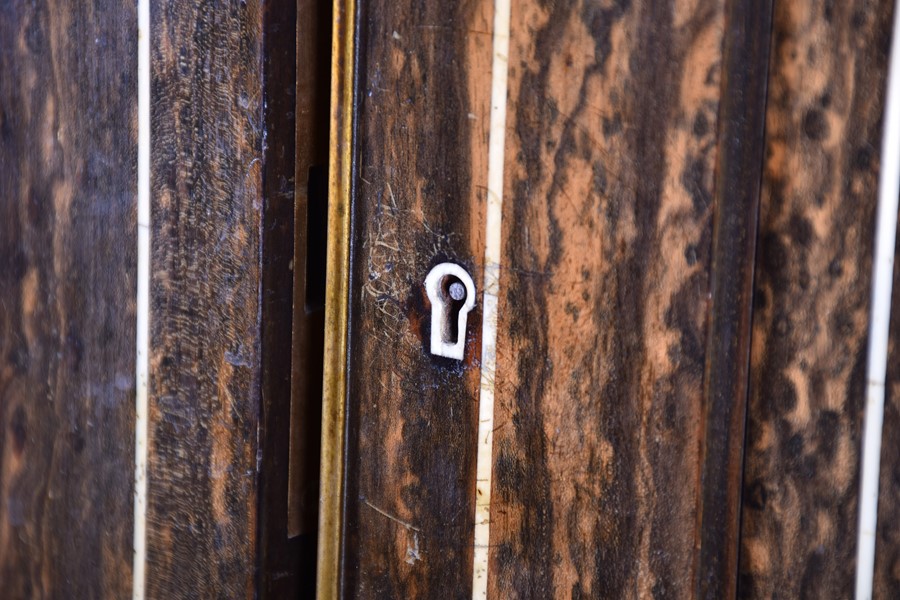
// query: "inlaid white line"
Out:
[882,280]
[492,257]
[143,301]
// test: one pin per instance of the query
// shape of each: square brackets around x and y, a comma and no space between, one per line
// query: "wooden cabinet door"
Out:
[220,373]
[668,212]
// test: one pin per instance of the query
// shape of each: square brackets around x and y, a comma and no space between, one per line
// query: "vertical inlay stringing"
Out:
[882,281]
[143,301]
[492,257]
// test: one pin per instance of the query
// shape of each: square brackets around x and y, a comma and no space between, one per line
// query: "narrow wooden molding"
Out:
[739,163]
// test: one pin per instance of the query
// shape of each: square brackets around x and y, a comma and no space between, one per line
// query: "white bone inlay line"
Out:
[492,256]
[143,301]
[882,281]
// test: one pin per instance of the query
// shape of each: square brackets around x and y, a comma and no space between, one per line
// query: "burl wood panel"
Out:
[811,306]
[421,152]
[205,375]
[68,157]
[611,152]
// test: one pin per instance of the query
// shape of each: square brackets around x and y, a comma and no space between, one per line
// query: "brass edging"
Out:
[337,297]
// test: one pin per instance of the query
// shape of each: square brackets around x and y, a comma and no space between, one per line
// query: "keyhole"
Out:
[452,295]
[453,292]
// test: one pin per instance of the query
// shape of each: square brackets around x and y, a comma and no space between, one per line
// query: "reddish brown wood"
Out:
[607,241]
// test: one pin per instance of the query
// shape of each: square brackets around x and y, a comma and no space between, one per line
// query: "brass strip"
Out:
[334,392]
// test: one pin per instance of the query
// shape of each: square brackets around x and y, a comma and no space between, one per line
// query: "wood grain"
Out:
[886,582]
[67,293]
[421,152]
[887,543]
[813,282]
[206,355]
[607,236]
[745,61]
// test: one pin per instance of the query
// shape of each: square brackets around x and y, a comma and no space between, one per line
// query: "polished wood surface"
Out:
[605,379]
[687,223]
[68,185]
[642,143]
[421,162]
[611,155]
[813,283]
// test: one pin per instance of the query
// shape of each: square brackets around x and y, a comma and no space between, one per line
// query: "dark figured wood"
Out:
[611,152]
[745,59]
[421,152]
[205,360]
[886,582]
[811,305]
[224,119]
[68,184]
[887,543]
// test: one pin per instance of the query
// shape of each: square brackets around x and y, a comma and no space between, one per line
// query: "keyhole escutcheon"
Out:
[452,295]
